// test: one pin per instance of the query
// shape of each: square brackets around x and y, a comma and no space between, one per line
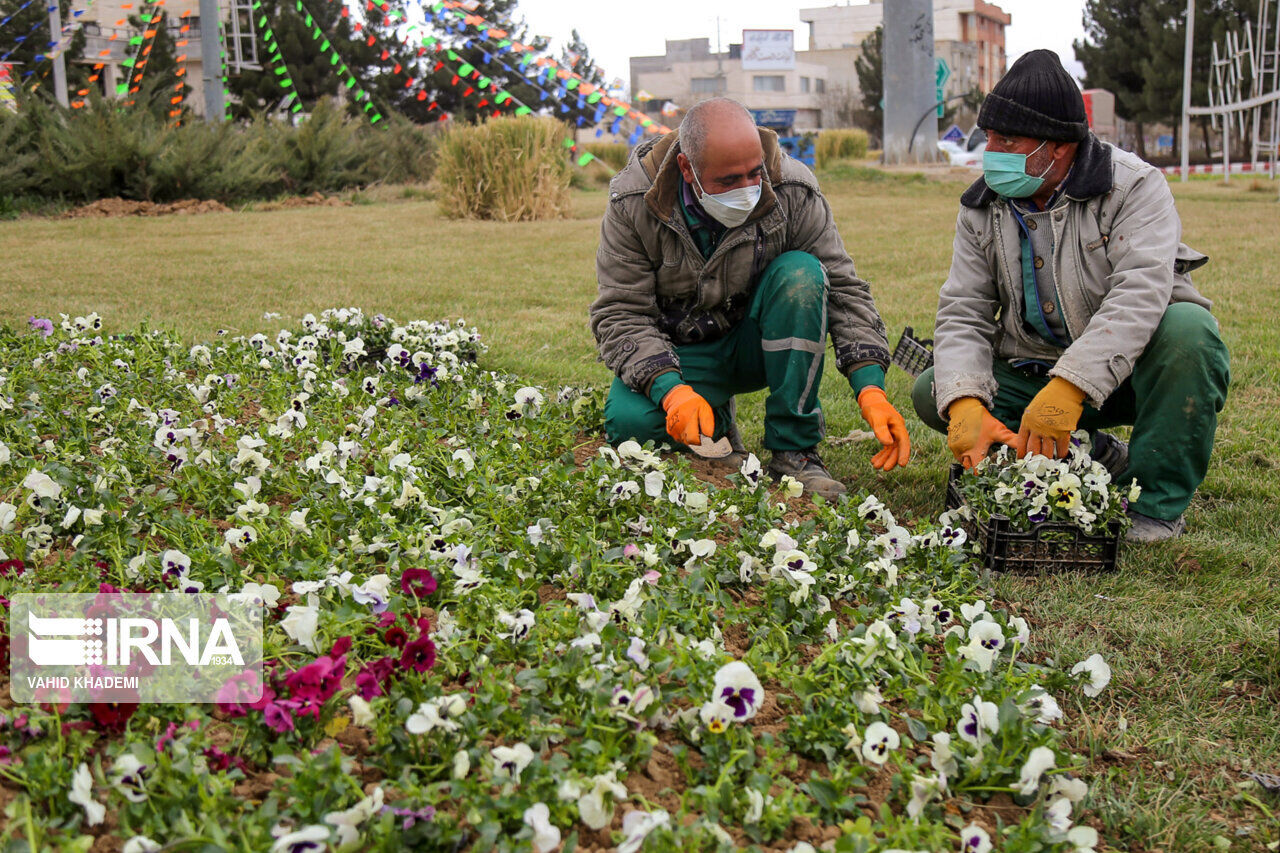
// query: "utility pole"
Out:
[215,105]
[1186,88]
[59,61]
[910,75]
[721,88]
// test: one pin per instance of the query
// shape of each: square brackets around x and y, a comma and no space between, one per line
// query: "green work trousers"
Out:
[779,346]
[1172,400]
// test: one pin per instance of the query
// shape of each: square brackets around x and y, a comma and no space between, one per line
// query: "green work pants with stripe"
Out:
[1172,400]
[779,346]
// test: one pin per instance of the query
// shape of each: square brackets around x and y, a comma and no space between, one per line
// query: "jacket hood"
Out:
[1091,176]
[660,173]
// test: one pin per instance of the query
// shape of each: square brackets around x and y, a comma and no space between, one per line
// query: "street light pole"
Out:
[215,106]
[59,61]
[1186,88]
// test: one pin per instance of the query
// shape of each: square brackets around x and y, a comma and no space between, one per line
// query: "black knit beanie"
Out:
[1036,98]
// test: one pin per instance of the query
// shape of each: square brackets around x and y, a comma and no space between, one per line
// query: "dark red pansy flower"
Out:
[417,582]
[419,655]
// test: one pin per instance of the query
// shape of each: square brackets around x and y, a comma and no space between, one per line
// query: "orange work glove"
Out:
[1049,419]
[973,430]
[689,416]
[887,424]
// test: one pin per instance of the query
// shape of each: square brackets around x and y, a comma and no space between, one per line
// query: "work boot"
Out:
[1147,529]
[1110,452]
[806,466]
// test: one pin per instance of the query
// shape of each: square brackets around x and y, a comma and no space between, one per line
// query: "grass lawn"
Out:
[1189,628]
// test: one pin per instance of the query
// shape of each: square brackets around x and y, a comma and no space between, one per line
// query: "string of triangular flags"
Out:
[180,74]
[343,70]
[459,11]
[279,68]
[137,65]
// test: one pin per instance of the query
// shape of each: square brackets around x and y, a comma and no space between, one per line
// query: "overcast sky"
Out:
[615,31]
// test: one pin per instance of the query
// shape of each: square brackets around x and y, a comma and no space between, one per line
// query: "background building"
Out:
[791,89]
[107,40]
[969,37]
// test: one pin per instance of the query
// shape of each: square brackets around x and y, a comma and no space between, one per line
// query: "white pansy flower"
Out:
[361,712]
[42,485]
[978,721]
[700,549]
[737,687]
[546,837]
[868,701]
[300,623]
[1085,838]
[878,741]
[636,826]
[1074,790]
[510,761]
[942,759]
[461,764]
[925,789]
[985,641]
[592,808]
[1044,707]
[305,840]
[347,822]
[463,455]
[518,624]
[82,795]
[1040,761]
[974,839]
[1098,671]
[129,775]
[175,563]
[791,487]
[140,844]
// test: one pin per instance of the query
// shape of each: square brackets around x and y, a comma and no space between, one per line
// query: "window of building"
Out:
[705,85]
[820,85]
[804,85]
[770,83]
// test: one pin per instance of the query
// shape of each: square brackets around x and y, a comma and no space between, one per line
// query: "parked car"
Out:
[967,153]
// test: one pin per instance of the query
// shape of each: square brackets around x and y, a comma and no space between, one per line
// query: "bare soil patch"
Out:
[111,207]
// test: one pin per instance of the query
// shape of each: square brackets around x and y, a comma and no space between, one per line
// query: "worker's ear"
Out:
[1063,151]
[686,168]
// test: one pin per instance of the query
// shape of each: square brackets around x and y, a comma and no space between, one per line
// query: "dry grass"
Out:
[836,144]
[507,169]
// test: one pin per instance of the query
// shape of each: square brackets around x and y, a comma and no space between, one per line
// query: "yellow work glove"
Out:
[689,416]
[1049,419]
[973,430]
[887,424]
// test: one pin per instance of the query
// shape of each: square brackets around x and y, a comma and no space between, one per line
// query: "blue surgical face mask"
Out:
[1006,173]
[730,208]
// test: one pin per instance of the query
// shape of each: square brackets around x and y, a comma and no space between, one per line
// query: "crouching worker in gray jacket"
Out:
[721,272]
[1069,305]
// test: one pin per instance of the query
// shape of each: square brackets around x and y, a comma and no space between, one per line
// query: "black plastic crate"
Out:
[912,354]
[1047,548]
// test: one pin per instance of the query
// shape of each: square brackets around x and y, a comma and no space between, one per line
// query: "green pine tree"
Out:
[869,67]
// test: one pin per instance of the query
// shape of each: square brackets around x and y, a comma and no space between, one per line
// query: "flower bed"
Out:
[476,639]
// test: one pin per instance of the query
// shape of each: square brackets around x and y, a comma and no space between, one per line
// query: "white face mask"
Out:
[730,208]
